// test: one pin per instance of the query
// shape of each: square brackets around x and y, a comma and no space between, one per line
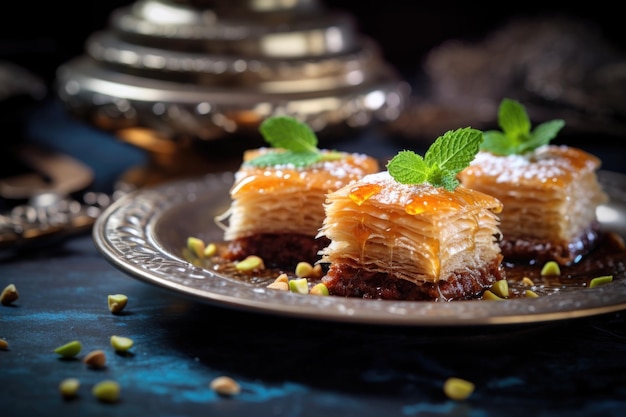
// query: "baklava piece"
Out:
[550,193]
[411,241]
[550,197]
[276,211]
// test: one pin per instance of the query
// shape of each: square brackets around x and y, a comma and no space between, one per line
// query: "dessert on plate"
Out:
[413,232]
[278,194]
[550,193]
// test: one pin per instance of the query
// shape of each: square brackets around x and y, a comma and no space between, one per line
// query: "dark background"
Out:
[42,35]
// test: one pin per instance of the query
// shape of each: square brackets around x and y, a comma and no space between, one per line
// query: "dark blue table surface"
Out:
[286,367]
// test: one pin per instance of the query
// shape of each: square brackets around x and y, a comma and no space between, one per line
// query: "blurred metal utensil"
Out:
[46,208]
[51,172]
[209,70]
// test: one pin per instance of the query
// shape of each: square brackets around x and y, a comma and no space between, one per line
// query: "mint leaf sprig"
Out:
[444,159]
[297,141]
[517,137]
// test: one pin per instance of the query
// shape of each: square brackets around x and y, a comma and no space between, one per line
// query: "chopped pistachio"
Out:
[69,349]
[117,302]
[488,295]
[299,285]
[278,285]
[317,271]
[9,294]
[210,250]
[95,359]
[282,278]
[530,294]
[250,264]
[304,270]
[69,387]
[225,385]
[107,391]
[551,268]
[196,246]
[500,288]
[457,388]
[600,281]
[4,345]
[319,289]
[121,343]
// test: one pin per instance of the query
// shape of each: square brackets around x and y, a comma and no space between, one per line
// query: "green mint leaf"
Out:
[513,119]
[543,134]
[331,156]
[297,141]
[449,181]
[407,167]
[297,159]
[497,143]
[516,136]
[454,150]
[443,160]
[288,133]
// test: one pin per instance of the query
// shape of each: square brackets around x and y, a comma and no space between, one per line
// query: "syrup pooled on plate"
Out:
[608,258]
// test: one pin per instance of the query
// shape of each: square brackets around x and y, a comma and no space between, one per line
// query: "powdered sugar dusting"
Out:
[546,164]
[324,175]
[430,198]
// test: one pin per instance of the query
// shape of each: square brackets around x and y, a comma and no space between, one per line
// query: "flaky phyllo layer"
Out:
[418,233]
[286,199]
[550,198]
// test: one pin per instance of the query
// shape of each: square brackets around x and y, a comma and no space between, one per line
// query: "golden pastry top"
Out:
[326,175]
[418,198]
[547,166]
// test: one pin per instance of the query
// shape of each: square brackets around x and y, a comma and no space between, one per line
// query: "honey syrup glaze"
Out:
[607,258]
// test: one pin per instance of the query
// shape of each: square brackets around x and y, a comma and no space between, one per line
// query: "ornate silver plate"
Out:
[143,234]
